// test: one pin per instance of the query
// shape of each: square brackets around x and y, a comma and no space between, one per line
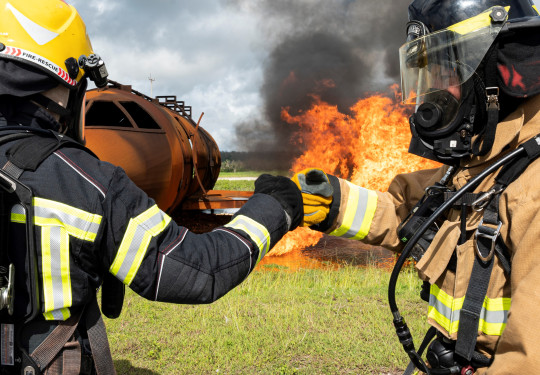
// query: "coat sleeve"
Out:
[372,216]
[163,261]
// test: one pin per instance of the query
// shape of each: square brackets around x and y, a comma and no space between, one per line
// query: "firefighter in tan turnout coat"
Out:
[472,69]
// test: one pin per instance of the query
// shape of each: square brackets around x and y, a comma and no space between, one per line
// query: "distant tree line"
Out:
[235,161]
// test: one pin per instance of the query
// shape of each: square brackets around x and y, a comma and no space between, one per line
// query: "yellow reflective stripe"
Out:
[18,218]
[256,231]
[535,8]
[443,321]
[46,268]
[134,245]
[359,212]
[474,23]
[445,310]
[18,214]
[368,217]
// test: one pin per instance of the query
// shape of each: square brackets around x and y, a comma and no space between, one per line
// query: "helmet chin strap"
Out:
[486,137]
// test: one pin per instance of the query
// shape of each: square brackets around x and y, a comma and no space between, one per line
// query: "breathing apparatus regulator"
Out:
[452,69]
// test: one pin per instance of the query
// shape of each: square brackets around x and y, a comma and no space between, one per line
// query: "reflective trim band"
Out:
[256,231]
[58,222]
[359,212]
[17,214]
[55,270]
[80,224]
[139,233]
[445,310]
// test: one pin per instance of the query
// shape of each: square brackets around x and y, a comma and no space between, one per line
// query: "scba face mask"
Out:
[439,76]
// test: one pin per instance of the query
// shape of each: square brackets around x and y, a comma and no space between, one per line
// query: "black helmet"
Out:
[454,66]
[439,14]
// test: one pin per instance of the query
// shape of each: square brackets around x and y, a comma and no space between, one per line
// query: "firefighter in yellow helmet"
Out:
[471,69]
[71,224]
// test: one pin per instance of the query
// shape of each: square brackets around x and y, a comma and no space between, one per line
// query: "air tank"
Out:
[155,140]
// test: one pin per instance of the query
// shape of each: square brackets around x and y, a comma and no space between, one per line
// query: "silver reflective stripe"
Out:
[361,209]
[66,219]
[136,243]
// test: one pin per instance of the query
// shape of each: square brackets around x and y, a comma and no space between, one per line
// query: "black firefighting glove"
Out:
[286,193]
[317,194]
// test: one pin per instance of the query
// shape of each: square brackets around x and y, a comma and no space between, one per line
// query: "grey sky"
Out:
[212,53]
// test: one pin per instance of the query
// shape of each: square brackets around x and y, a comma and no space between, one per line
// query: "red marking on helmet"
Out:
[14,51]
[517,80]
[505,74]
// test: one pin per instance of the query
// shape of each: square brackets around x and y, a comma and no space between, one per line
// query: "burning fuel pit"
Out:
[326,251]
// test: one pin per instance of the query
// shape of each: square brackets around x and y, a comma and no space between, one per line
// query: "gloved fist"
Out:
[317,193]
[286,193]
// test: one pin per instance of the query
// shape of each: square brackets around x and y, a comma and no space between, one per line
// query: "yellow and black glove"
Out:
[317,194]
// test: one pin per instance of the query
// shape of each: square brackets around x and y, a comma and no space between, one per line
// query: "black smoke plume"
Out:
[338,50]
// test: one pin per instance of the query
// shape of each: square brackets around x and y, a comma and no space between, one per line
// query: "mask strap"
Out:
[483,144]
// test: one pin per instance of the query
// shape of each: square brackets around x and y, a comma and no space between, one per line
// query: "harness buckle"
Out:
[492,94]
[479,204]
[495,233]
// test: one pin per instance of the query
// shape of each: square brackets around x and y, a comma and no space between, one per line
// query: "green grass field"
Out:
[244,185]
[304,322]
[252,173]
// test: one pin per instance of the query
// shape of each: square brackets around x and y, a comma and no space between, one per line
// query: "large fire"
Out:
[368,147]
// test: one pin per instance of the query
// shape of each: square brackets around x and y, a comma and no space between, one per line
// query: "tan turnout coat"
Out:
[514,302]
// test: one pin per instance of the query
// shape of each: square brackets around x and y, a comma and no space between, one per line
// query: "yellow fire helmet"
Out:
[49,35]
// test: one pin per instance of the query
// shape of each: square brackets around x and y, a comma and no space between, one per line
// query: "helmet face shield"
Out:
[446,59]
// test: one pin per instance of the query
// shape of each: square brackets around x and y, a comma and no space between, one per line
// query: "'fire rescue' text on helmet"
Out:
[444,63]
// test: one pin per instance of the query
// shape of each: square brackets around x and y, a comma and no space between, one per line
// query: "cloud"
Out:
[204,53]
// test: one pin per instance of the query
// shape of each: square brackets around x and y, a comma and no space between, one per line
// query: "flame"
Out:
[367,147]
[296,240]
